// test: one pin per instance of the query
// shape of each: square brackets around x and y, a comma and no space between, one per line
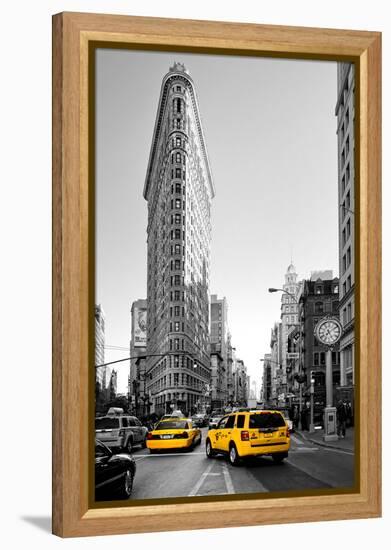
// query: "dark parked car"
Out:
[199,420]
[114,474]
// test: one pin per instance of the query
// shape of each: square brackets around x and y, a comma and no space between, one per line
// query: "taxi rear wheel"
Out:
[129,445]
[233,456]
[278,458]
[210,453]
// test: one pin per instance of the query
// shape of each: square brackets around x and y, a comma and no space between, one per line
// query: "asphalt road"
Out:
[177,474]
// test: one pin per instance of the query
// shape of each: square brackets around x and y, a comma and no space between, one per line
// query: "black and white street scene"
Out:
[224,276]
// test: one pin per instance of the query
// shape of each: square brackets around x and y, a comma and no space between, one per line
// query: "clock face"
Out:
[329,331]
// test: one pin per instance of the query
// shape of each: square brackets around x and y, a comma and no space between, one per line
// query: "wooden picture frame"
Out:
[74,37]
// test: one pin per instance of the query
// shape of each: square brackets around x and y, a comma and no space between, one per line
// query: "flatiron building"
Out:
[179,191]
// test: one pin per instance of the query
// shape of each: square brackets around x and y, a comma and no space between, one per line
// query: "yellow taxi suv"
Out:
[173,433]
[251,433]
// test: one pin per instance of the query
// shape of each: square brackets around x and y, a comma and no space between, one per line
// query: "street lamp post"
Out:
[271,290]
[312,406]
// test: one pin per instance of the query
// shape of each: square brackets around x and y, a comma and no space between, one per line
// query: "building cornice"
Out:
[167,80]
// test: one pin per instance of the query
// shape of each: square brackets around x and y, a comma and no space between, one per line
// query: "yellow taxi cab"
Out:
[173,433]
[248,433]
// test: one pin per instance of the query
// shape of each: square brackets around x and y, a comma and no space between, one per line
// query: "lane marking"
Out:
[201,480]
[228,480]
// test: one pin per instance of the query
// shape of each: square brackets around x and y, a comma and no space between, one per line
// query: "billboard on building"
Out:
[140,327]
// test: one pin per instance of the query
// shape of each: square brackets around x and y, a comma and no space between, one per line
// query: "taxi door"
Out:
[218,434]
[227,433]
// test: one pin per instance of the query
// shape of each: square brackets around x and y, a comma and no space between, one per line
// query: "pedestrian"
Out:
[295,417]
[304,418]
[350,414]
[342,415]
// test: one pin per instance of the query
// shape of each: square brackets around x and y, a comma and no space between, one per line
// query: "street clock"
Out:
[328,331]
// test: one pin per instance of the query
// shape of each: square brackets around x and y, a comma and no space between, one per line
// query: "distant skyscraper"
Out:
[267,379]
[289,320]
[219,351]
[101,372]
[345,112]
[179,191]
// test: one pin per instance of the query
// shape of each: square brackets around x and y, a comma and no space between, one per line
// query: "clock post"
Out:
[329,331]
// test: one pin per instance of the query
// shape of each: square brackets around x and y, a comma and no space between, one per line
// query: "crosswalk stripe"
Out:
[297,440]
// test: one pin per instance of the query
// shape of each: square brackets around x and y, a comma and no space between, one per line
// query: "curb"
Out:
[322,444]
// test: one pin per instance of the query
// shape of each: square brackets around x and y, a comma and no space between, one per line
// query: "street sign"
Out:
[292,355]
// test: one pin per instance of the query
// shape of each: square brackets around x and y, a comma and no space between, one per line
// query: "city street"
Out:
[177,474]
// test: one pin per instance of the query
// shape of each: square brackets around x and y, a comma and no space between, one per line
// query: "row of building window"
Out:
[179,173]
[346,232]
[178,188]
[346,259]
[177,142]
[178,158]
[176,280]
[347,314]
[177,104]
[176,380]
[178,204]
[346,205]
[176,326]
[346,178]
[178,124]
[325,307]
[347,285]
[177,234]
[345,151]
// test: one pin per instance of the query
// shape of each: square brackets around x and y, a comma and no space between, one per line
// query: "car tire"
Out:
[129,446]
[278,458]
[233,456]
[127,484]
[200,440]
[144,443]
[210,453]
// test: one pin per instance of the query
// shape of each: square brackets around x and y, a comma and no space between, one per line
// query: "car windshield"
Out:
[266,420]
[173,425]
[100,450]
[106,423]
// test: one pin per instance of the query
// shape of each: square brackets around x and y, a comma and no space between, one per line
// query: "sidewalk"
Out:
[345,444]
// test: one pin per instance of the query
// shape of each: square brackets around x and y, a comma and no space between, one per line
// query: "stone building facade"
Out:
[138,395]
[345,112]
[320,297]
[179,191]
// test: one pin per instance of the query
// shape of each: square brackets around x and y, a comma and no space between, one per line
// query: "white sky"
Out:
[270,132]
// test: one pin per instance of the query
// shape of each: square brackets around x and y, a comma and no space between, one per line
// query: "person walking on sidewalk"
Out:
[342,415]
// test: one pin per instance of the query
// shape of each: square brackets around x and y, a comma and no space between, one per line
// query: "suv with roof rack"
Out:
[120,431]
[249,433]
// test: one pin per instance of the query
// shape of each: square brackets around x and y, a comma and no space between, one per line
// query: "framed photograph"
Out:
[216,274]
